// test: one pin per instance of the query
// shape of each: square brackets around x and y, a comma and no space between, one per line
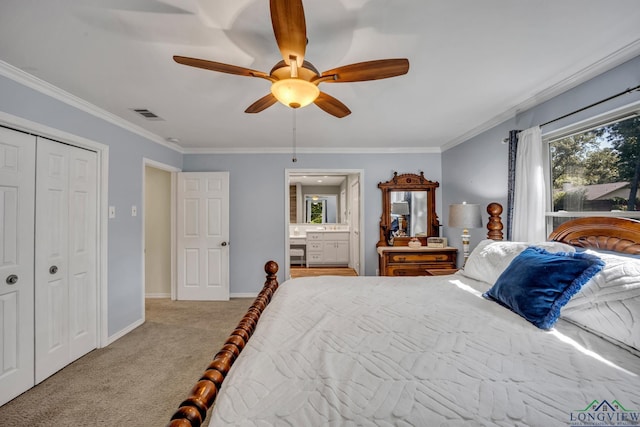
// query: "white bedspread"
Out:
[423,351]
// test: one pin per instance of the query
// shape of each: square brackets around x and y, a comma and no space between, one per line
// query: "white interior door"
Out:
[17,195]
[65,256]
[203,236]
[83,239]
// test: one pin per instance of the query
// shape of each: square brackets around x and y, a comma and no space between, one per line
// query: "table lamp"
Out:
[465,216]
[401,209]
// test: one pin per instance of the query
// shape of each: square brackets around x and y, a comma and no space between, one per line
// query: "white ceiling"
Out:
[473,64]
[319,179]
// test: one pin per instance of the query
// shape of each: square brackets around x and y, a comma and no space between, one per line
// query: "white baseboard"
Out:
[234,295]
[243,295]
[158,295]
[124,331]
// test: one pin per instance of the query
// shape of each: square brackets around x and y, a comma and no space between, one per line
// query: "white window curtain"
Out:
[529,200]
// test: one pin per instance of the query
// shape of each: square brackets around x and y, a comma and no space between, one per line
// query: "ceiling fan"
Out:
[294,81]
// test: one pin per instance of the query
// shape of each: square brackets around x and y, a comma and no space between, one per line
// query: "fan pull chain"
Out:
[294,158]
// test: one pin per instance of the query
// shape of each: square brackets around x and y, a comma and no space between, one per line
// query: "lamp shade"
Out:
[294,92]
[465,216]
[400,208]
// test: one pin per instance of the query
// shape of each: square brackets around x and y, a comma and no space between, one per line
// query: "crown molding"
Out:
[9,71]
[28,80]
[607,63]
[315,150]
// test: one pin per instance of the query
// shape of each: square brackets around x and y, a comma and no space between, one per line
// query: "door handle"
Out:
[223,244]
[53,269]
[12,279]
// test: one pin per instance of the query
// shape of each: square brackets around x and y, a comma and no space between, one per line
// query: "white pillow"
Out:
[490,258]
[609,303]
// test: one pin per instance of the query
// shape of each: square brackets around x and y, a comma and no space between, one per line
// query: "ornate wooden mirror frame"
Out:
[408,182]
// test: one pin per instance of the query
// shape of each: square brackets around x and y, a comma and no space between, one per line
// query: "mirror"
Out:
[317,198]
[408,210]
[409,213]
[321,209]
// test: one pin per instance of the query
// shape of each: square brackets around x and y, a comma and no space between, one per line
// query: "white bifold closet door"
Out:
[65,256]
[17,190]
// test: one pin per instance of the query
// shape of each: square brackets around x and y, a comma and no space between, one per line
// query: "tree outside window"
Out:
[597,170]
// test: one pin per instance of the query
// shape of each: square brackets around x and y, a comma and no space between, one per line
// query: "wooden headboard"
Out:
[612,234]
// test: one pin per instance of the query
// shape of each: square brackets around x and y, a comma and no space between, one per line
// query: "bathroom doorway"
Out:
[323,217]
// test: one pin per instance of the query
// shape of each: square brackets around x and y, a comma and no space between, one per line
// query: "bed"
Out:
[443,350]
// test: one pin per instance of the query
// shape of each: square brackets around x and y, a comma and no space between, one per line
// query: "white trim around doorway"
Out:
[174,170]
[287,174]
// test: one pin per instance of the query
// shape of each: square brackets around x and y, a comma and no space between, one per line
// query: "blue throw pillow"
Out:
[537,283]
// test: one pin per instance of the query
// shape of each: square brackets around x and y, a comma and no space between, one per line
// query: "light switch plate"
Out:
[134,210]
[112,212]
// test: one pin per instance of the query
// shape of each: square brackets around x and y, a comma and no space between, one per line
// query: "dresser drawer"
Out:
[421,257]
[422,261]
[406,270]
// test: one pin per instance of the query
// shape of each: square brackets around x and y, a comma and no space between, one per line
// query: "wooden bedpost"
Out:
[193,410]
[495,222]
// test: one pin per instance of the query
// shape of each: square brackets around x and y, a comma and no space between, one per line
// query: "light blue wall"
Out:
[257,205]
[126,151]
[477,170]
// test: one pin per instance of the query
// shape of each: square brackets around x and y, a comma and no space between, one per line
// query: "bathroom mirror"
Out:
[318,199]
[321,209]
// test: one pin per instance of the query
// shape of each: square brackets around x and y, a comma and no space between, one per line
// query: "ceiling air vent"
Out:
[147,114]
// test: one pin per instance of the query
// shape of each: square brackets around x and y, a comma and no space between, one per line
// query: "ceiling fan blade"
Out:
[331,105]
[220,67]
[290,29]
[261,104]
[369,70]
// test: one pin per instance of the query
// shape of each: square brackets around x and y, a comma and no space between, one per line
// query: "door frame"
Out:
[173,170]
[359,270]
[102,174]
[287,173]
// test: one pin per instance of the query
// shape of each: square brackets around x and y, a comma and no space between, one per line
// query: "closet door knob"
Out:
[223,244]
[53,269]
[12,280]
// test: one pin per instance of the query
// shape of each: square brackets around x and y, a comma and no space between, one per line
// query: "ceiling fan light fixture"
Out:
[295,92]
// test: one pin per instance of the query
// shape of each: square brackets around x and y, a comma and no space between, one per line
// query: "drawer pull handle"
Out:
[402,259]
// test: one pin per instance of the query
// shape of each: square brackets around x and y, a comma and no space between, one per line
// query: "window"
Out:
[595,169]
[316,212]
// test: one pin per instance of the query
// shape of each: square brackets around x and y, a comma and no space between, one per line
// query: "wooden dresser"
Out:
[421,261]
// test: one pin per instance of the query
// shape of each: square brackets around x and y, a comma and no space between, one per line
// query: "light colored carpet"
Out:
[140,379]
